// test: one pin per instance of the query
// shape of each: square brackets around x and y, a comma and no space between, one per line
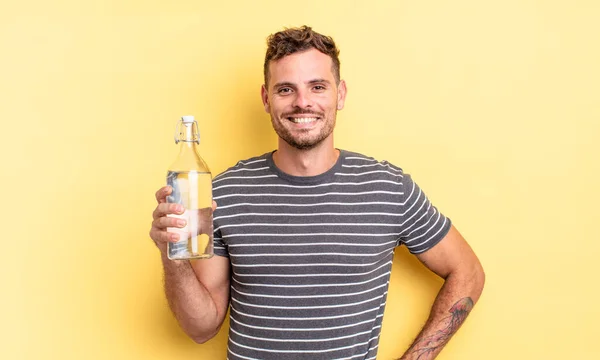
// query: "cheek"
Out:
[328,105]
[280,107]
[276,111]
[327,102]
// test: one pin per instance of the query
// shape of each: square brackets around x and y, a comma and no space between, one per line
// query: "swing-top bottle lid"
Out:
[187,119]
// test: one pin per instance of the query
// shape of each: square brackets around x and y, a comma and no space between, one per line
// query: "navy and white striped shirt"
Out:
[311,256]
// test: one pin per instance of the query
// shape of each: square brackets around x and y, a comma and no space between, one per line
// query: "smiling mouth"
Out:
[302,120]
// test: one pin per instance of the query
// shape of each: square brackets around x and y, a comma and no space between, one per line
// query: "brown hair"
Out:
[292,40]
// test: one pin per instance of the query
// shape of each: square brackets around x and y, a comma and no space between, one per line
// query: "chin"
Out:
[304,145]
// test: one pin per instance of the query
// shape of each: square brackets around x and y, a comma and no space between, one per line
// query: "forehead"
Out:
[301,67]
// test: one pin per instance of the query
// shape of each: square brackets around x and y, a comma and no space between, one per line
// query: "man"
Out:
[305,235]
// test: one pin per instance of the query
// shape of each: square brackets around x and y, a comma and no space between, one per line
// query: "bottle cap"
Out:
[187,119]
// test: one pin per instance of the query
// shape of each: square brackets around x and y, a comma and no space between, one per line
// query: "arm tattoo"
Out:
[426,347]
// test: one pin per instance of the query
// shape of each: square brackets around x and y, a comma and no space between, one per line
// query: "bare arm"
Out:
[197,291]
[454,260]
[198,294]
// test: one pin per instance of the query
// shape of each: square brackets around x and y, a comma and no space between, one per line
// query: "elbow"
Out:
[470,279]
[203,338]
[478,280]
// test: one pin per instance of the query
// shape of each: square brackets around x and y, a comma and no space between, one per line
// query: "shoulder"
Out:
[248,172]
[251,164]
[360,164]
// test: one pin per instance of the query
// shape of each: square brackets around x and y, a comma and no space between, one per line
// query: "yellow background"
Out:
[492,106]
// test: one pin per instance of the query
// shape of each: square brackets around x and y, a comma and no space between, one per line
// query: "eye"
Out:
[285,90]
[319,88]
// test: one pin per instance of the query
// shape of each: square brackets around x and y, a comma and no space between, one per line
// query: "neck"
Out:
[309,162]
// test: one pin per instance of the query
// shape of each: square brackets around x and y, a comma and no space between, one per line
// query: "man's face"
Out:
[302,98]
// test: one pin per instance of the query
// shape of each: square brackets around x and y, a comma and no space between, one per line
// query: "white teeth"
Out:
[303,120]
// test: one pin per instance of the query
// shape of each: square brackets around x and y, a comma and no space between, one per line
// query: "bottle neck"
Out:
[188,138]
[187,133]
[187,146]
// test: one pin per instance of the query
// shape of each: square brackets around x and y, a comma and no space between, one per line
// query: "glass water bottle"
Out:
[191,181]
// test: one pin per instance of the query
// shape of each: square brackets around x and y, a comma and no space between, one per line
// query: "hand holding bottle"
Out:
[162,221]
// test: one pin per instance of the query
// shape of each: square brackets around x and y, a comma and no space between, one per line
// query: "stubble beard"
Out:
[304,142]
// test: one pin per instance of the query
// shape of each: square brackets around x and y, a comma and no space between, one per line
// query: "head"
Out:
[303,89]
[290,41]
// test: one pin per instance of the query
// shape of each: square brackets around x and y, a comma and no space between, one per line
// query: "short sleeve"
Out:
[220,247]
[423,226]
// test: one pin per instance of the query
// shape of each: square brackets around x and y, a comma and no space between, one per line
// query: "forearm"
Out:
[450,309]
[190,302]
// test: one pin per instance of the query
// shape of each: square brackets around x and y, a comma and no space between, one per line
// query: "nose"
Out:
[302,100]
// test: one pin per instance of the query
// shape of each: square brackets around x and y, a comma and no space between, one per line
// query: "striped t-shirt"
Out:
[311,256]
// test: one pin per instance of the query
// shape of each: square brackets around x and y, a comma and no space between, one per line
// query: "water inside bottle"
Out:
[193,190]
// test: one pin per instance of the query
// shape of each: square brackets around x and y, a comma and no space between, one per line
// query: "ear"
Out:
[265,98]
[341,95]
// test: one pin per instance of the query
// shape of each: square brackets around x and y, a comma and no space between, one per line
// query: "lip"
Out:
[303,125]
[302,116]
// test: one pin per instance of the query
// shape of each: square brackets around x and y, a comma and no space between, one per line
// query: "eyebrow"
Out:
[287,83]
[284,83]
[319,81]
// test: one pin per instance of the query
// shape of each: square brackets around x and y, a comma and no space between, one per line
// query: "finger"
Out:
[166,209]
[163,236]
[162,193]
[164,222]
[214,205]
